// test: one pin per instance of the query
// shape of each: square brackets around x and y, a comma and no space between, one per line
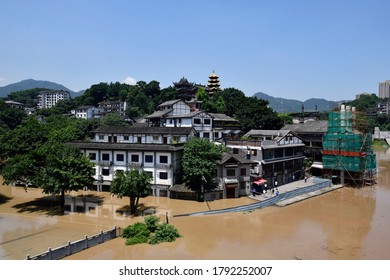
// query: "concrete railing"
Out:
[318,183]
[76,246]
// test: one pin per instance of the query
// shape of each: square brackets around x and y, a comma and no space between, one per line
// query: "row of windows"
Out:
[232,172]
[133,158]
[162,175]
[199,121]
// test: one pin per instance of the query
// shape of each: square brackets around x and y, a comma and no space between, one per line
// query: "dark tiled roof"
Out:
[158,114]
[169,102]
[308,127]
[240,159]
[261,132]
[221,117]
[126,146]
[144,130]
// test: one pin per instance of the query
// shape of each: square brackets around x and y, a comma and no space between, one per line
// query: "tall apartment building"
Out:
[49,98]
[384,89]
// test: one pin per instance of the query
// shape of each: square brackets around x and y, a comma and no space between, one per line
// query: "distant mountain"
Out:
[30,84]
[282,105]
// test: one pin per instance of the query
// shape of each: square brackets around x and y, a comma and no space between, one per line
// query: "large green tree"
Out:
[199,159]
[54,167]
[131,184]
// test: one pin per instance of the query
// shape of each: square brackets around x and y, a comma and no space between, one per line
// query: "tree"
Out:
[63,169]
[199,159]
[132,184]
[55,167]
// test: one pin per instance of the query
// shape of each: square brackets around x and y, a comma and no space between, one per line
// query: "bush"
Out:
[164,233]
[138,232]
[138,239]
[152,222]
[137,229]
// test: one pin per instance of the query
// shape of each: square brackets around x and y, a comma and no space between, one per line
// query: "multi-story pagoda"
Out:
[213,85]
[185,89]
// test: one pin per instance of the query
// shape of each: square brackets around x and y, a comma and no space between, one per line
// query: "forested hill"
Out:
[30,84]
[282,105]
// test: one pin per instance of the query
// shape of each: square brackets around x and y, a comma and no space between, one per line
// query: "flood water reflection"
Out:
[343,224]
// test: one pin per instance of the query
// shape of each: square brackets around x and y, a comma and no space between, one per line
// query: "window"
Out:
[105,156]
[92,156]
[134,158]
[207,121]
[235,151]
[163,175]
[243,171]
[216,135]
[163,159]
[126,137]
[139,139]
[197,121]
[120,157]
[101,137]
[155,139]
[148,158]
[230,172]
[206,135]
[106,172]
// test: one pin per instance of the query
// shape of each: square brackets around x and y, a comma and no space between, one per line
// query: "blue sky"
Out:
[292,49]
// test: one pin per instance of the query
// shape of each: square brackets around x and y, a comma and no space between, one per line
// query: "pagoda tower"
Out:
[213,85]
[185,89]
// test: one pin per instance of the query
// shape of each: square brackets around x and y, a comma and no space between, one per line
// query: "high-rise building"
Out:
[49,98]
[384,89]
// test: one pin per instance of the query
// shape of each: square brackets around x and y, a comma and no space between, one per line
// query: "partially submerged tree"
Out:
[132,184]
[54,167]
[199,158]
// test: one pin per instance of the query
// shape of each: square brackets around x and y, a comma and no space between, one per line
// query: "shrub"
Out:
[138,239]
[137,229]
[151,222]
[164,233]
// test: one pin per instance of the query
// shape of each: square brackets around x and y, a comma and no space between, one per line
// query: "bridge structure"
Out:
[383,135]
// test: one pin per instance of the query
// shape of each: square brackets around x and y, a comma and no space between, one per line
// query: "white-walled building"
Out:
[152,149]
[179,113]
[49,98]
[279,155]
[85,112]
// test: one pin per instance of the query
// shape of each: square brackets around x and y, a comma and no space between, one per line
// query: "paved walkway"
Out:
[294,186]
[288,194]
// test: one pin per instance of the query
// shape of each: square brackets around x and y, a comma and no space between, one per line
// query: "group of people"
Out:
[274,191]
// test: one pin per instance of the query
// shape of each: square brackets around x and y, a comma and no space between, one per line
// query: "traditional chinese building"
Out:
[213,85]
[185,89]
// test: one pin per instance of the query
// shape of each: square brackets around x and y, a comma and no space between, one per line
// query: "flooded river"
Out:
[343,224]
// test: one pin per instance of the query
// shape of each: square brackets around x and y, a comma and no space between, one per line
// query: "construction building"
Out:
[348,157]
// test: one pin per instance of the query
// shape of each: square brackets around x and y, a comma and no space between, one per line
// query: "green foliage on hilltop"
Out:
[252,113]
[10,117]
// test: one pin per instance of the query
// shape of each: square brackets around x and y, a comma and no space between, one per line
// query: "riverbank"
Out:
[343,224]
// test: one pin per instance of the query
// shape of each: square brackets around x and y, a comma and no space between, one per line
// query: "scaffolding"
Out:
[348,157]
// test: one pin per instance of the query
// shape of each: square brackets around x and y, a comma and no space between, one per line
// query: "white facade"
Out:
[141,148]
[47,99]
[85,112]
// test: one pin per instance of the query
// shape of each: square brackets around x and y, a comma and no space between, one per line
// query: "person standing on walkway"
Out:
[277,192]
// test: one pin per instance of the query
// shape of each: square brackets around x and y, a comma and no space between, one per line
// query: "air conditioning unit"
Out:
[257,169]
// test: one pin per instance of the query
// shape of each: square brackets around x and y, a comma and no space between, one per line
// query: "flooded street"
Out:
[343,224]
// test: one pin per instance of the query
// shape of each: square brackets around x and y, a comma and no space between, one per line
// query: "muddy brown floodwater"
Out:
[343,224]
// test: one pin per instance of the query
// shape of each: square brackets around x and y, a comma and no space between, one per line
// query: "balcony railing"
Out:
[105,162]
[135,164]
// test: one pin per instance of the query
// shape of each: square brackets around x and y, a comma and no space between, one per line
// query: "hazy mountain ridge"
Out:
[30,84]
[283,105]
